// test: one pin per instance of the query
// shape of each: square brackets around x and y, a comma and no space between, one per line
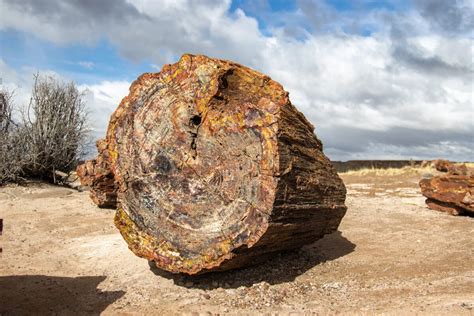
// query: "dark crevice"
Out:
[195,121]
[193,142]
[223,84]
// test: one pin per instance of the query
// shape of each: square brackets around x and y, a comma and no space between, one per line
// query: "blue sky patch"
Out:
[86,64]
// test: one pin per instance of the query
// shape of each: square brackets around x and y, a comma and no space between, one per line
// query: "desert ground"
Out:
[391,255]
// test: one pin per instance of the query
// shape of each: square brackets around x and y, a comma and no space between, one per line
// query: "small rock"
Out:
[449,193]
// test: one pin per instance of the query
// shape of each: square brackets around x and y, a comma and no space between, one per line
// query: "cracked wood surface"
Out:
[216,169]
[96,174]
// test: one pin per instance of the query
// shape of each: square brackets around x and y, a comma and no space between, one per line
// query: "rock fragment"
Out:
[97,175]
[450,193]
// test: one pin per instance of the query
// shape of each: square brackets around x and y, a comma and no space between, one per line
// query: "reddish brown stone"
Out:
[458,169]
[216,169]
[97,175]
[444,207]
[449,167]
[442,165]
[450,193]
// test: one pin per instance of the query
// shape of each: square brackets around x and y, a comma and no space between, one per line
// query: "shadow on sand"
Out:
[46,295]
[285,266]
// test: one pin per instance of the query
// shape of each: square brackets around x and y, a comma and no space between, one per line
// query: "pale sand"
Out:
[61,254]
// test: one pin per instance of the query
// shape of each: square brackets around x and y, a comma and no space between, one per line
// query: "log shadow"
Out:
[49,295]
[282,268]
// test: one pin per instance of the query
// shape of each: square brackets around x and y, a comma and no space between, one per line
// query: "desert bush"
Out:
[12,158]
[6,109]
[50,136]
[54,127]
[11,143]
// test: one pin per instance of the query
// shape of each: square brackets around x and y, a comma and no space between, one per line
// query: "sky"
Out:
[379,79]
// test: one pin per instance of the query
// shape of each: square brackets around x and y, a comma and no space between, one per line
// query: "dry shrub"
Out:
[51,135]
[6,109]
[55,125]
[11,141]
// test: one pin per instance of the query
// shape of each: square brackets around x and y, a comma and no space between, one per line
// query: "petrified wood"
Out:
[97,175]
[441,165]
[449,167]
[216,169]
[453,194]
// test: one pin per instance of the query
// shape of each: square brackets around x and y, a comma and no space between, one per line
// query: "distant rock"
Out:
[441,165]
[453,194]
[458,170]
[449,167]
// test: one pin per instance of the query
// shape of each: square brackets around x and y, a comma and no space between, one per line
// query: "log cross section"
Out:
[216,169]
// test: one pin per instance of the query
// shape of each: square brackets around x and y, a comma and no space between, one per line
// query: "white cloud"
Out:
[86,64]
[21,81]
[407,78]
[102,99]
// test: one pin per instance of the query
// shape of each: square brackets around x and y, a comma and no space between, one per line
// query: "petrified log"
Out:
[97,175]
[453,194]
[458,169]
[441,165]
[449,167]
[216,169]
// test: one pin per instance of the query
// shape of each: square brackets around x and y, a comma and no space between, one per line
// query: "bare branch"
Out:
[52,133]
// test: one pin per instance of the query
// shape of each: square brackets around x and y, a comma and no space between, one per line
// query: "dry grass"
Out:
[391,171]
[469,165]
[405,171]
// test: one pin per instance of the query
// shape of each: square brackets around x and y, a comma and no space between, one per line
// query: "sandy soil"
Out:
[392,255]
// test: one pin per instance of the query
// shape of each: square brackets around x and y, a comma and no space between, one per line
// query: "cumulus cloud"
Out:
[452,17]
[102,99]
[20,82]
[401,89]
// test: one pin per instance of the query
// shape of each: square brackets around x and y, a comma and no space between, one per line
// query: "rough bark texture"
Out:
[453,194]
[97,175]
[216,169]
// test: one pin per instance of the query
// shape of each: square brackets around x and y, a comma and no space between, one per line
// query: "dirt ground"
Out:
[391,255]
